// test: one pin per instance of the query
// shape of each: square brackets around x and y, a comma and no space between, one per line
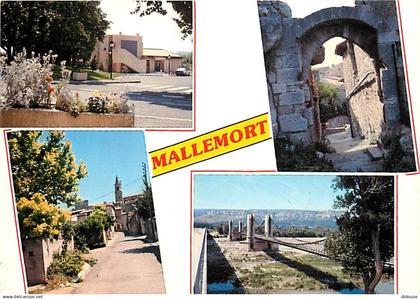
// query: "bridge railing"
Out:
[200,264]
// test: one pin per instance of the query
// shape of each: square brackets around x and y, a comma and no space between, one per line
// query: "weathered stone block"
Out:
[388,37]
[285,109]
[307,93]
[287,75]
[293,123]
[302,137]
[292,98]
[278,88]
[390,88]
[294,86]
[299,108]
[308,113]
[392,112]
[271,77]
[386,51]
[287,60]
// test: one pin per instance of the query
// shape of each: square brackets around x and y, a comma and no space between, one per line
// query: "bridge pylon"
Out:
[250,231]
[230,234]
[268,229]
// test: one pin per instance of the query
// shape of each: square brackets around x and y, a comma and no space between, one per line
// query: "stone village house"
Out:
[124,211]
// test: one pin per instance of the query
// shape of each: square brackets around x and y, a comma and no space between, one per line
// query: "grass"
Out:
[100,75]
[321,275]
[92,75]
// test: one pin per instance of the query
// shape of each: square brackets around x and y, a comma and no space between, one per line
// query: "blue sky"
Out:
[247,191]
[106,154]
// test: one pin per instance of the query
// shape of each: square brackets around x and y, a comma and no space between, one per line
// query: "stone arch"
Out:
[289,53]
[333,14]
[358,25]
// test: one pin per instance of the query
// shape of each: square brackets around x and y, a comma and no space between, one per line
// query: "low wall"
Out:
[38,255]
[148,227]
[44,118]
[79,76]
[200,261]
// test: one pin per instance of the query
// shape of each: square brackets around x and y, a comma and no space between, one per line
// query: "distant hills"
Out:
[281,218]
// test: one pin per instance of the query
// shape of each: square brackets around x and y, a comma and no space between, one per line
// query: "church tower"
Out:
[118,191]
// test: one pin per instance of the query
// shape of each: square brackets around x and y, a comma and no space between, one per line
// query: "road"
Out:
[159,101]
[126,266]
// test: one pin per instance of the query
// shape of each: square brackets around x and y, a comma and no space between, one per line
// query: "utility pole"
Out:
[149,202]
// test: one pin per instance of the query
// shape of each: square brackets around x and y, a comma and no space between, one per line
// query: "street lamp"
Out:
[111,46]
[169,60]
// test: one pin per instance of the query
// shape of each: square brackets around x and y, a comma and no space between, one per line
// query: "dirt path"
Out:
[351,153]
[126,266]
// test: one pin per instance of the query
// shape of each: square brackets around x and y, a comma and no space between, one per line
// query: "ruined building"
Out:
[372,68]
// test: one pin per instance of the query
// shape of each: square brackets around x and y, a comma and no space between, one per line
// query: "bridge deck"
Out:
[315,247]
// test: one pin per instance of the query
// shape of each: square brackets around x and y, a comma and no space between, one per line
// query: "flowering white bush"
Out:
[65,101]
[107,103]
[28,81]
[3,86]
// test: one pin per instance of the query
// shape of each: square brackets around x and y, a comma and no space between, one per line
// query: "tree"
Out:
[47,167]
[145,205]
[365,240]
[70,29]
[100,215]
[182,8]
[328,104]
[39,219]
[89,232]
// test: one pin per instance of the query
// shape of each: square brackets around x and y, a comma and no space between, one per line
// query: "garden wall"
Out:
[38,254]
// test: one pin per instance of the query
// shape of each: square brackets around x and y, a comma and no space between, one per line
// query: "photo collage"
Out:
[205,147]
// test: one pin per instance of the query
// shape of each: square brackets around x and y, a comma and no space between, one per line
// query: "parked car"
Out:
[182,71]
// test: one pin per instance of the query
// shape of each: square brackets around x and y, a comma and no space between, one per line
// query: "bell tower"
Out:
[118,191]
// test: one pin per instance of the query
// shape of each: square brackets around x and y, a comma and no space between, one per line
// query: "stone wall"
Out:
[38,255]
[362,91]
[148,227]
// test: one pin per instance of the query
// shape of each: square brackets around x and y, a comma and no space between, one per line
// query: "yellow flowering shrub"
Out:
[37,218]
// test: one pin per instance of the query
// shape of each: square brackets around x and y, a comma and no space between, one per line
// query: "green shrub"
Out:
[89,232]
[296,157]
[68,263]
[93,64]
[328,104]
[397,160]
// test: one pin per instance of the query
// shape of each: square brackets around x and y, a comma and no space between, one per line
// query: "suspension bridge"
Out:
[266,241]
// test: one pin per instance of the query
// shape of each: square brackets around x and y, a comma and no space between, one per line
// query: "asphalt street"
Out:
[159,101]
[127,266]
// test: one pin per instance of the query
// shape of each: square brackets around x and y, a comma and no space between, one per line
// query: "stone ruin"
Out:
[292,45]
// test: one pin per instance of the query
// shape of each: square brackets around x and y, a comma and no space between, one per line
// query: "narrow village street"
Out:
[128,265]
